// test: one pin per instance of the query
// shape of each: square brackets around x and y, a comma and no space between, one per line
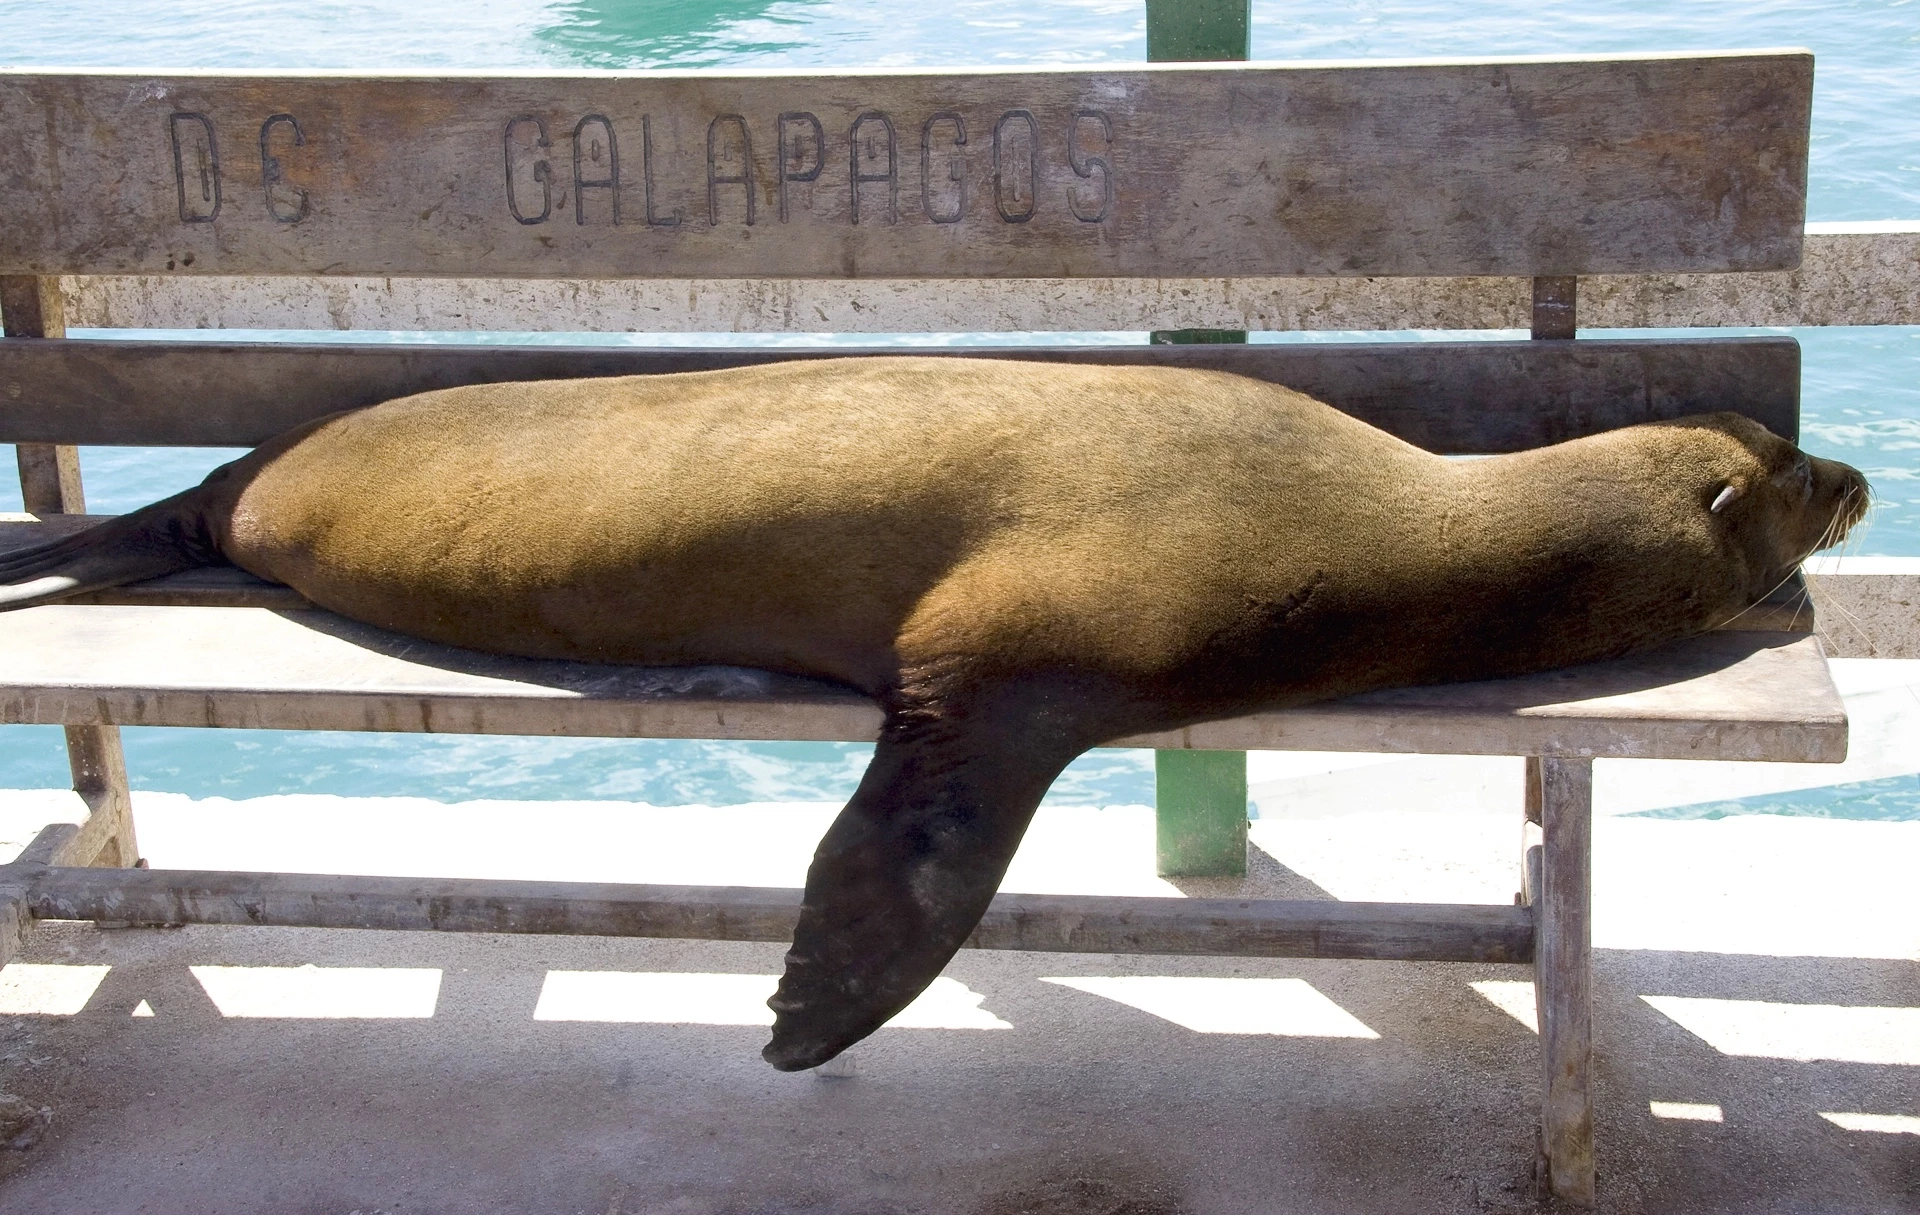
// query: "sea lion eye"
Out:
[1727,494]
[1800,472]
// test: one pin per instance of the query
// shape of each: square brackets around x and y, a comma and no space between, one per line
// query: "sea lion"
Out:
[1018,561]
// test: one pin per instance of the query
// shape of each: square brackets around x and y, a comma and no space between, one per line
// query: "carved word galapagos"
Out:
[869,169]
[803,153]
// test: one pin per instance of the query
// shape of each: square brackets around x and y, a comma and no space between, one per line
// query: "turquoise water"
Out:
[1889,799]
[1862,397]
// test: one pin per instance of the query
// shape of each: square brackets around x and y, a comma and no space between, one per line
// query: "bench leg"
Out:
[100,778]
[1562,963]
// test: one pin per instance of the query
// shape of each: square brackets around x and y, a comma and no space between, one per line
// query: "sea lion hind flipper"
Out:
[901,878]
[169,536]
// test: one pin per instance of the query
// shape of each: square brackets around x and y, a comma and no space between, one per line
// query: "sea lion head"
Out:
[1764,504]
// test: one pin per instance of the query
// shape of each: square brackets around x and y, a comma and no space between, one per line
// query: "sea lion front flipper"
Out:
[905,873]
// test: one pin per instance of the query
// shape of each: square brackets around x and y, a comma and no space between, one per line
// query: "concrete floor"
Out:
[201,1070]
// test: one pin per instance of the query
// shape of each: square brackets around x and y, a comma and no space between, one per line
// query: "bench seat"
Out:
[218,647]
[1726,695]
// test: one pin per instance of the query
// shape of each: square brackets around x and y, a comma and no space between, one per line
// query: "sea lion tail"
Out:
[906,871]
[169,536]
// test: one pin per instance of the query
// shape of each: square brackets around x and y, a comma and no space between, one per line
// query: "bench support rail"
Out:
[1045,923]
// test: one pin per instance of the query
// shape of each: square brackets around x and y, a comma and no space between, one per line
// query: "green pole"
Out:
[1187,31]
[1200,797]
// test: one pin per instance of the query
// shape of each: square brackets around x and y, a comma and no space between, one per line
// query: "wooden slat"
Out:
[1529,167]
[1290,928]
[1444,396]
[1721,696]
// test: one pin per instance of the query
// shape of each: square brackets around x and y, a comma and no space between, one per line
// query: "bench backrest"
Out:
[1547,169]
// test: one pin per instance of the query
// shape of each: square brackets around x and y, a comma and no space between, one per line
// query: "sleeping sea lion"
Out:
[1018,561]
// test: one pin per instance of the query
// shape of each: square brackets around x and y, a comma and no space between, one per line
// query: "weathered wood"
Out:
[1531,794]
[1584,165]
[1555,303]
[50,478]
[33,307]
[100,778]
[54,844]
[15,920]
[34,312]
[1721,696]
[1563,978]
[1048,923]
[1445,396]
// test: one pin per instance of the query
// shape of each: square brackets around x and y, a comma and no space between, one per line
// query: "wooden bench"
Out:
[1544,170]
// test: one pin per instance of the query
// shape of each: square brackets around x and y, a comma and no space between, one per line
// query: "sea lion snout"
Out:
[1840,494]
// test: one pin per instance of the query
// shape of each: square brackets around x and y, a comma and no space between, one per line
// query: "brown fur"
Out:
[862,519]
[1018,560]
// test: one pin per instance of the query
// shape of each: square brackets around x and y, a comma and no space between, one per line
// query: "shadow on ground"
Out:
[1080,1105]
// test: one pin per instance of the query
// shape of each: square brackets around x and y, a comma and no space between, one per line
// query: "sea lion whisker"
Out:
[1840,610]
[1757,602]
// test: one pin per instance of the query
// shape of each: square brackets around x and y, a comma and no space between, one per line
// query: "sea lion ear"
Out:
[1726,495]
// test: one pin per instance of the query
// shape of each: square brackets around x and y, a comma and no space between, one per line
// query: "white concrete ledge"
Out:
[1852,274]
[1866,607]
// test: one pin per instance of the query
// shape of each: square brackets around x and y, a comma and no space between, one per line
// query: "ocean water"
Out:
[1862,396]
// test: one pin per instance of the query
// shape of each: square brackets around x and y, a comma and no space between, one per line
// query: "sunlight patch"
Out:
[673,998]
[1883,1124]
[321,992]
[1802,1032]
[44,990]
[1686,1111]
[1514,997]
[1290,1008]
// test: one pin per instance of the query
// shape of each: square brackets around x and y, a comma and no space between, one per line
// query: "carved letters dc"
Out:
[545,168]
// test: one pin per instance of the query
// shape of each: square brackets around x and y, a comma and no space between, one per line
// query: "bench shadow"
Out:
[510,1112]
[1267,877]
[595,680]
